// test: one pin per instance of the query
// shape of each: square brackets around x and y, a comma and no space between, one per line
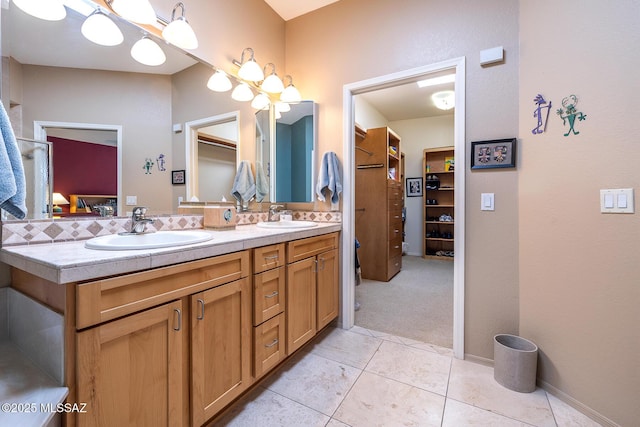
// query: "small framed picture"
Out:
[414,187]
[177,177]
[496,153]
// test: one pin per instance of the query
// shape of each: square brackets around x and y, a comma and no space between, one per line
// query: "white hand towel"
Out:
[262,183]
[12,180]
[330,179]
[244,185]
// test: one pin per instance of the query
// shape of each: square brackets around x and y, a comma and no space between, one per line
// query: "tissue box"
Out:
[219,216]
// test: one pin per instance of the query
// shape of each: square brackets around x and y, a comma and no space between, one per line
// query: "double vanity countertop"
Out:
[68,262]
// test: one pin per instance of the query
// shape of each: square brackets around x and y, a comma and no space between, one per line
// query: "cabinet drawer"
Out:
[395,228]
[268,294]
[395,247]
[108,299]
[395,204]
[268,257]
[305,248]
[269,345]
[394,266]
[394,192]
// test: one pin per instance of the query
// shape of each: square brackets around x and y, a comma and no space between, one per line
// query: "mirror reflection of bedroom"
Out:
[404,212]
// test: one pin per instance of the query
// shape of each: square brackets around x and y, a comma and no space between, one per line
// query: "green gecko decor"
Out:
[570,113]
[148,165]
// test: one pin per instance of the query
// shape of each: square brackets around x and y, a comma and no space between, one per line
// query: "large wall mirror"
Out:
[288,162]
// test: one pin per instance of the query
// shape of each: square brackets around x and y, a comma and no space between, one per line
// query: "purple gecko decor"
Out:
[541,114]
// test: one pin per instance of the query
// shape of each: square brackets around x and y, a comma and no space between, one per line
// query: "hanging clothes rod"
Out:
[376,165]
[362,149]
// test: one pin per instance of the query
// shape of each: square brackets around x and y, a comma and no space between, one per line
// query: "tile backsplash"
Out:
[31,232]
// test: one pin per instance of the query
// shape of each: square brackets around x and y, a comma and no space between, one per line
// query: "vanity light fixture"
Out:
[219,82]
[179,32]
[49,10]
[272,82]
[100,29]
[147,52]
[444,100]
[283,107]
[290,93]
[249,69]
[242,92]
[261,102]
[139,11]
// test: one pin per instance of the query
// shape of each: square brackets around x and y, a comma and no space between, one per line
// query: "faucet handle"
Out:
[139,211]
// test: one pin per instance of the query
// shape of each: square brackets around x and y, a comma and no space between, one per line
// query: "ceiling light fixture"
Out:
[272,82]
[147,52]
[249,69]
[434,81]
[219,82]
[49,10]
[179,32]
[290,94]
[101,30]
[444,100]
[242,92]
[139,11]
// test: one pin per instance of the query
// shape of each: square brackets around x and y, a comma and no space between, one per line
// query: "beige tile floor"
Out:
[365,378]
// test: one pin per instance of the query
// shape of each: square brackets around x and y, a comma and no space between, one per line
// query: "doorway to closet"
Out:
[451,274]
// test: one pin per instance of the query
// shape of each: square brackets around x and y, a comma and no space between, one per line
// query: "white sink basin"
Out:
[287,224]
[159,239]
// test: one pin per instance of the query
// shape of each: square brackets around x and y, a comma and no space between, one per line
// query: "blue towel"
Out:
[12,181]
[244,186]
[262,183]
[329,179]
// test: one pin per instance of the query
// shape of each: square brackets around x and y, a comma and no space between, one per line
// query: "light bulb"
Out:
[180,33]
[139,11]
[147,52]
[219,82]
[242,92]
[101,30]
[49,10]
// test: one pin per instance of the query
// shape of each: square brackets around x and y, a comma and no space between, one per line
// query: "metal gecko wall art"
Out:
[541,113]
[569,113]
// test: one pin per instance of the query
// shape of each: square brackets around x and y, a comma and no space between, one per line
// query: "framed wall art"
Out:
[414,187]
[495,153]
[177,177]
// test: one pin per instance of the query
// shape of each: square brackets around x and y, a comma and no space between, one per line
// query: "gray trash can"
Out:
[515,362]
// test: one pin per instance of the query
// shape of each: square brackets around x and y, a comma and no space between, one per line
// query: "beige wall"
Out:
[579,269]
[353,40]
[138,102]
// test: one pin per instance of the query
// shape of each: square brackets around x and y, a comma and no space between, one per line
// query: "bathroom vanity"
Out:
[172,336]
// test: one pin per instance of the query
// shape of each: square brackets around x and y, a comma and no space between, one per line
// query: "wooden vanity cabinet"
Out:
[312,287]
[269,296]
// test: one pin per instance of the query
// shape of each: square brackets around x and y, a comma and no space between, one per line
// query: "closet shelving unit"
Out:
[439,203]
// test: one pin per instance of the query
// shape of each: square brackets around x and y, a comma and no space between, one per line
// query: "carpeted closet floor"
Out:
[417,303]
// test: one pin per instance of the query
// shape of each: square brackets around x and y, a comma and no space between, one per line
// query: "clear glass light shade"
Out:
[242,92]
[219,82]
[139,11]
[291,95]
[251,71]
[49,10]
[261,102]
[147,52]
[101,30]
[179,33]
[272,84]
[444,100]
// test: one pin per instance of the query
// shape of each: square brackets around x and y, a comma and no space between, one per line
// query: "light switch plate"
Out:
[487,202]
[618,200]
[132,200]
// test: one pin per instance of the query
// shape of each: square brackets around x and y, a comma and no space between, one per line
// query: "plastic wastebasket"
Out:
[515,362]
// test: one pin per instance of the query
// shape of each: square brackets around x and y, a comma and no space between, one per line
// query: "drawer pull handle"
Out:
[274,342]
[201,304]
[271,295]
[396,247]
[271,257]
[179,319]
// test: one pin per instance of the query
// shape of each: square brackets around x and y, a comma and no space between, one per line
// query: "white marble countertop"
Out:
[71,262]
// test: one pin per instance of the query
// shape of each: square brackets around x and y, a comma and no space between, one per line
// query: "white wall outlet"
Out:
[619,200]
[132,200]
[487,202]
[180,199]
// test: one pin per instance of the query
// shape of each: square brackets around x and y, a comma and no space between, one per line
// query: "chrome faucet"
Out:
[139,221]
[274,213]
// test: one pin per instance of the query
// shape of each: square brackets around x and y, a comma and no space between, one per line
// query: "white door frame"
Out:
[348,213]
[191,146]
[40,133]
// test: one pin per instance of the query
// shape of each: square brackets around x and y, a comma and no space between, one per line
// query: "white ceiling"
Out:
[289,9]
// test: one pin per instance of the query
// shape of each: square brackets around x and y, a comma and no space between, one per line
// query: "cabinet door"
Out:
[130,370]
[301,303]
[328,293]
[220,347]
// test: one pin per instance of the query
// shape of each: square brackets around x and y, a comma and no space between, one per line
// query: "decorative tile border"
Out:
[69,229]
